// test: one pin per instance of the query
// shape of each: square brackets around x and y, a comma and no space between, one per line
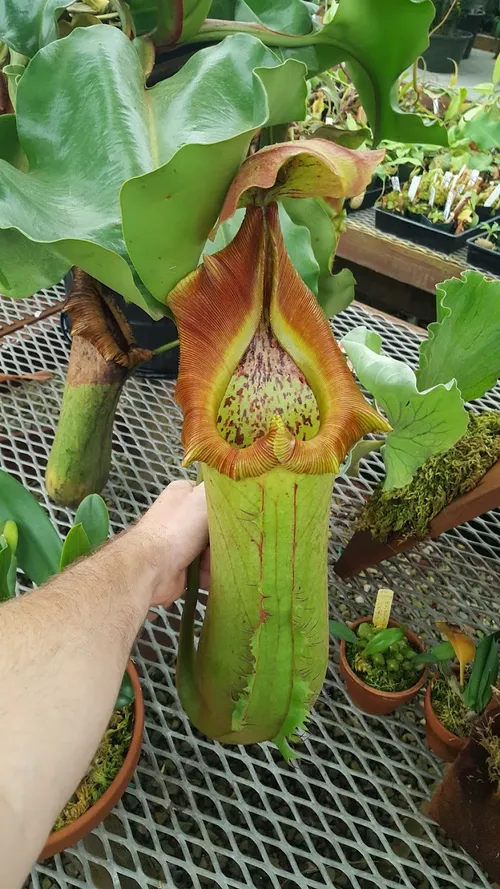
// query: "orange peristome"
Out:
[246,315]
[309,168]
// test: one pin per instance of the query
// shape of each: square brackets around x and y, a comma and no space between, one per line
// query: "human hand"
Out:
[174,532]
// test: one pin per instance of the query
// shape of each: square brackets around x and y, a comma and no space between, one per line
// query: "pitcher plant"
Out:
[270,411]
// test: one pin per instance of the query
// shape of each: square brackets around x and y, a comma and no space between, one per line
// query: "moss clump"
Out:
[409,511]
[450,709]
[491,744]
[103,769]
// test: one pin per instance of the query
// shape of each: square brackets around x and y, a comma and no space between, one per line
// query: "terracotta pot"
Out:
[70,835]
[371,700]
[442,742]
[363,551]
[467,806]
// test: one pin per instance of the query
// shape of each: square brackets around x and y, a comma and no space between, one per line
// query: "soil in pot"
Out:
[447,720]
[103,769]
[380,683]
[107,778]
[444,49]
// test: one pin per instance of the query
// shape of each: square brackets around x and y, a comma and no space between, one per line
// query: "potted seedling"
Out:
[379,660]
[441,459]
[484,250]
[448,43]
[30,542]
[466,805]
[137,221]
[437,209]
[453,702]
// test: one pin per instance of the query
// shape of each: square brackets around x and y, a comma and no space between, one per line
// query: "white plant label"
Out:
[435,106]
[396,185]
[413,189]
[493,198]
[432,196]
[448,205]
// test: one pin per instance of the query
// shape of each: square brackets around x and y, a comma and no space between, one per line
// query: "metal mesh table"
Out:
[350,813]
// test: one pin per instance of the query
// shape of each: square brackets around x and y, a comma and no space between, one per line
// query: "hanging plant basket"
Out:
[363,550]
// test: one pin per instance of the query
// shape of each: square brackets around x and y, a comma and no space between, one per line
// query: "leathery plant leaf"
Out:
[93,515]
[170,212]
[334,292]
[342,631]
[126,694]
[484,674]
[423,423]
[39,546]
[7,571]
[27,25]
[252,85]
[381,641]
[444,651]
[359,34]
[76,545]
[270,421]
[464,343]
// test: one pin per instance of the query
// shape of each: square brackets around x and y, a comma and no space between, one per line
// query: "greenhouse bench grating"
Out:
[350,812]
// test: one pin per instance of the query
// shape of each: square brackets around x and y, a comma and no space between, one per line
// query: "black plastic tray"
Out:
[372,195]
[427,235]
[483,257]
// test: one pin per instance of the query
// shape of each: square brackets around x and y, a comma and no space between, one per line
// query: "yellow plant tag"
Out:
[383,607]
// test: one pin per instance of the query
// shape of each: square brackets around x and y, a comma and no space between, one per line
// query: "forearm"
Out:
[63,652]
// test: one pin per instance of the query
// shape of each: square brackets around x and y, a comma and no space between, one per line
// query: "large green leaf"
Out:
[93,516]
[378,41]
[188,148]
[334,292]
[464,343]
[168,20]
[168,214]
[27,25]
[75,546]
[39,546]
[424,423]
[7,571]
[484,129]
[290,16]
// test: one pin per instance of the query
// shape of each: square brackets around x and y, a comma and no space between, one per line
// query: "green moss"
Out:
[491,744]
[409,511]
[103,769]
[450,708]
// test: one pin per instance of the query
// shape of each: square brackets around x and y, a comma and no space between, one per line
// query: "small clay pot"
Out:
[466,804]
[441,741]
[73,833]
[369,699]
